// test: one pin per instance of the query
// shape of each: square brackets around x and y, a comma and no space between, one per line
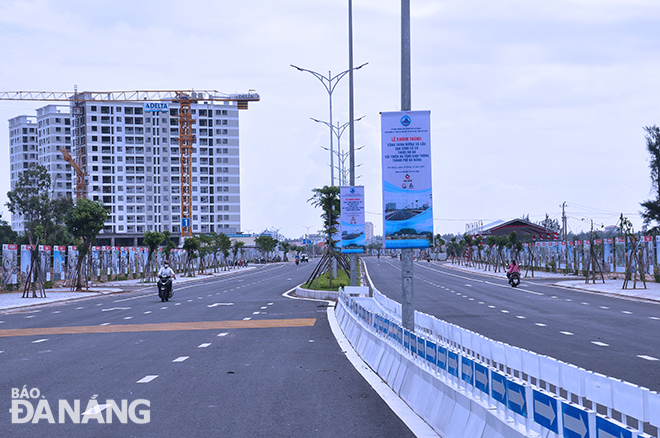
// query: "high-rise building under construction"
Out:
[131,160]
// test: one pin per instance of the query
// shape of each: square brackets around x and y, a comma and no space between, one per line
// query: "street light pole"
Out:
[330,82]
[338,131]
[407,291]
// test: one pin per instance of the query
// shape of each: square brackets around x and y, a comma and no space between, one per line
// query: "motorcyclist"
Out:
[513,267]
[166,271]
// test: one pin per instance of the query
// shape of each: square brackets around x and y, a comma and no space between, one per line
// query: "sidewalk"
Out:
[13,300]
[610,287]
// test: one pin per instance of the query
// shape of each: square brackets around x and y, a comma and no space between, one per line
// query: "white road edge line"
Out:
[419,427]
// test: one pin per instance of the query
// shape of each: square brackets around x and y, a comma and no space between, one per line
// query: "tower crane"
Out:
[186,138]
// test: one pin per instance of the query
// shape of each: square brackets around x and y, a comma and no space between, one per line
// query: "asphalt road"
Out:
[613,336]
[226,357]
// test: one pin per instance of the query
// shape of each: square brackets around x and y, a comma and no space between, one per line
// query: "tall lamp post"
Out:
[330,82]
[338,131]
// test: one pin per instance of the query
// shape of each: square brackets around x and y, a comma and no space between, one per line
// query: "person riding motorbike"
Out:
[166,271]
[513,267]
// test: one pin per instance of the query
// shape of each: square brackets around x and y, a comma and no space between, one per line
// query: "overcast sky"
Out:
[532,103]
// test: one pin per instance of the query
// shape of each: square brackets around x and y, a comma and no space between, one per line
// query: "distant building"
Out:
[131,160]
[368,231]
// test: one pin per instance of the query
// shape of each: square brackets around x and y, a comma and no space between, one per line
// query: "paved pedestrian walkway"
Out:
[14,300]
[612,286]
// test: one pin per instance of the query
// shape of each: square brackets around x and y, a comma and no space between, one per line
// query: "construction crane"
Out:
[80,185]
[185,98]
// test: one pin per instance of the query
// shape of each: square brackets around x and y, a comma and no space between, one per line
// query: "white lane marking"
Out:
[569,300]
[177,304]
[147,312]
[246,319]
[270,304]
[219,304]
[471,299]
[521,317]
[79,308]
[643,356]
[223,334]
[491,307]
[264,308]
[505,311]
[256,313]
[481,302]
[57,311]
[567,333]
[30,316]
[163,308]
[626,312]
[586,304]
[188,301]
[604,307]
[600,344]
[204,345]
[2,322]
[105,323]
[147,379]
[128,317]
[180,359]
[468,285]
[115,308]
[540,324]
[39,341]
[652,317]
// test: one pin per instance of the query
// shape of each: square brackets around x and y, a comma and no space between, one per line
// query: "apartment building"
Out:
[130,155]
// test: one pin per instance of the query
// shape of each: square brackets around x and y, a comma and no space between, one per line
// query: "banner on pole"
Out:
[353,238]
[407,188]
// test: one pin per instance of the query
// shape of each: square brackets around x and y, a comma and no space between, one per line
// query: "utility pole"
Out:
[407,305]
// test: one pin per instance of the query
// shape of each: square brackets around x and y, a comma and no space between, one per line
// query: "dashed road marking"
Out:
[626,312]
[643,356]
[247,319]
[223,334]
[600,344]
[147,379]
[204,345]
[128,317]
[39,341]
[604,307]
[521,317]
[256,313]
[180,359]
[567,333]
[505,311]
[540,324]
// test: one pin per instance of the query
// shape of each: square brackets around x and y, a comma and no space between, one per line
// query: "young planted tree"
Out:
[31,200]
[152,239]
[224,243]
[191,246]
[236,248]
[84,221]
[285,247]
[327,199]
[265,244]
[651,212]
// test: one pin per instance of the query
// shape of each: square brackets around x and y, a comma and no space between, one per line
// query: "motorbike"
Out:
[514,279]
[164,287]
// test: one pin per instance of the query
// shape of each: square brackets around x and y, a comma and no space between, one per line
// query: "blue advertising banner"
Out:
[407,188]
[353,238]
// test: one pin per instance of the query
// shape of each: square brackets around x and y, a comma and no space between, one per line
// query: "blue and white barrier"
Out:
[466,385]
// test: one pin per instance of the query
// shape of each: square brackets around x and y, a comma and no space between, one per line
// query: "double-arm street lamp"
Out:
[330,82]
[338,130]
